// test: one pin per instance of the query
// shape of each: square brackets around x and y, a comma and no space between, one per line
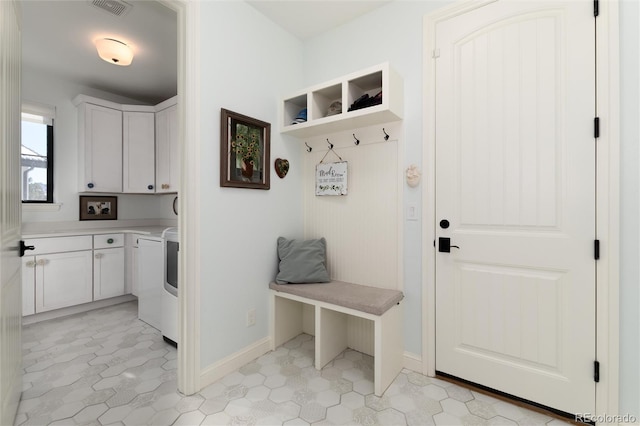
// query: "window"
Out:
[37,155]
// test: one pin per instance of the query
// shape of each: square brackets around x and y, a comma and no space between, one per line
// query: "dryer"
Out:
[169,318]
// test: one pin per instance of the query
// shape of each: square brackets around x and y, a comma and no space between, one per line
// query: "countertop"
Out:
[154,231]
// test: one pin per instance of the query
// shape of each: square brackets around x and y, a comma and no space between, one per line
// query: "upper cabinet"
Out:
[368,97]
[138,145]
[127,148]
[167,149]
[100,153]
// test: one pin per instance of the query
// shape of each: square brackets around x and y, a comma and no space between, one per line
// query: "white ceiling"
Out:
[308,18]
[58,38]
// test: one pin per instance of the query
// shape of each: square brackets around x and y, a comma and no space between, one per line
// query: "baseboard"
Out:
[85,307]
[231,363]
[413,362]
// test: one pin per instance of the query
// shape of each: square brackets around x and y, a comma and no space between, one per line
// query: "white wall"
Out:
[394,33]
[59,92]
[247,64]
[629,208]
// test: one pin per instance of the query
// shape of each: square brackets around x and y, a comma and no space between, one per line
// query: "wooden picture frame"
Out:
[245,151]
[98,207]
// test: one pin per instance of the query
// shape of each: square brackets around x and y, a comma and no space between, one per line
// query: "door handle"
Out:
[444,245]
[24,247]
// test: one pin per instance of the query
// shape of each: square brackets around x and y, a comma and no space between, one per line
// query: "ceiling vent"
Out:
[115,7]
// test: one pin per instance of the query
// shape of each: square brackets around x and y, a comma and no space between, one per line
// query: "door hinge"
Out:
[596,249]
[596,8]
[596,371]
[435,54]
[596,127]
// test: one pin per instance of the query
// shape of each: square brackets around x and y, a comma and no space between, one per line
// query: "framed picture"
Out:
[98,208]
[244,151]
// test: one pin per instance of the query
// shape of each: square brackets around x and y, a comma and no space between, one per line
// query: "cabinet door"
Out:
[151,281]
[28,285]
[167,150]
[63,279]
[101,137]
[138,159]
[108,273]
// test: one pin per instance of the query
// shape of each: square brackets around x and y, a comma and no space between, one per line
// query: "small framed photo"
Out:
[244,151]
[98,208]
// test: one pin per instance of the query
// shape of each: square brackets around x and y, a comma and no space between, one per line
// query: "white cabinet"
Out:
[138,144]
[108,266]
[167,148]
[380,84]
[127,148]
[57,274]
[131,264]
[99,148]
[150,280]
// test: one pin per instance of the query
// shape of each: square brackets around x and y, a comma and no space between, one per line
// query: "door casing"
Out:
[607,203]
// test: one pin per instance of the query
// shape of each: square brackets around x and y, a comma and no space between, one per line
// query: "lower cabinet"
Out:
[56,280]
[108,266]
[150,278]
[68,271]
[108,273]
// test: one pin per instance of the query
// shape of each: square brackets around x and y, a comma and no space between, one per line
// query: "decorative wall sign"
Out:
[98,208]
[331,178]
[244,151]
[282,167]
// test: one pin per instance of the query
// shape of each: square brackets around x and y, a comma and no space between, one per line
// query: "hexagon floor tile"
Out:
[105,367]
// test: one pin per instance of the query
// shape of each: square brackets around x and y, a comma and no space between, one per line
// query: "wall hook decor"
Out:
[357,142]
[386,136]
[413,175]
[309,149]
[330,144]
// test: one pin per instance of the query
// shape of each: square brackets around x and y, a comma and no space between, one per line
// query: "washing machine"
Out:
[169,319]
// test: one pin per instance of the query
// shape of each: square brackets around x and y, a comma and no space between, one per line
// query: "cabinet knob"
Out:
[150,187]
[90,185]
[30,264]
[99,255]
[110,241]
[42,262]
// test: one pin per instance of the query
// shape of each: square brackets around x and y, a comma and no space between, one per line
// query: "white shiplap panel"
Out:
[361,228]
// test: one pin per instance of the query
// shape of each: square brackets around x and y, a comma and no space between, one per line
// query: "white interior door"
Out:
[10,263]
[515,179]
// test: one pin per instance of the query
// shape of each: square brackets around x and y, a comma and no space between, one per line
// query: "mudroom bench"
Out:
[337,314]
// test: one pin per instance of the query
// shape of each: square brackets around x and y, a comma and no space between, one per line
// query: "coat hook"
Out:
[330,144]
[309,149]
[386,136]
[357,142]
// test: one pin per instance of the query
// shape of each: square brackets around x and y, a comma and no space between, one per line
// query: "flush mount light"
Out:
[114,51]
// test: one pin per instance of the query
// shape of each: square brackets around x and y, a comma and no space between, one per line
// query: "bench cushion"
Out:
[362,298]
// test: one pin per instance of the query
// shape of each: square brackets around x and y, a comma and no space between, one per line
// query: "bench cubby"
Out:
[303,308]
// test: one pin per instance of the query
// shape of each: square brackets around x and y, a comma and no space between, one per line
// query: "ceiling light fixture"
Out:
[114,51]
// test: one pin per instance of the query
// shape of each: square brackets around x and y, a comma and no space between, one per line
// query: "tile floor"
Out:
[106,367]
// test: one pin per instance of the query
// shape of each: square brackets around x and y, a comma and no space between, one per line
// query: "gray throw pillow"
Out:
[302,262]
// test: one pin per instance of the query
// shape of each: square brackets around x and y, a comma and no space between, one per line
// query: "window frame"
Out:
[50,155]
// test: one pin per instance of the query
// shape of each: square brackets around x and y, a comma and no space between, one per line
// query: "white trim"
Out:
[41,207]
[189,372]
[413,362]
[85,307]
[231,363]
[608,208]
[608,202]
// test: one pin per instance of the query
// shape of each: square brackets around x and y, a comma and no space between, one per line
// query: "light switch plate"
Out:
[412,211]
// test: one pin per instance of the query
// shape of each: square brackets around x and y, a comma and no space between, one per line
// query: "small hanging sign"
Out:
[331,178]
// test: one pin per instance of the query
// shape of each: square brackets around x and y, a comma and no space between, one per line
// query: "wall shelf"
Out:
[346,89]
